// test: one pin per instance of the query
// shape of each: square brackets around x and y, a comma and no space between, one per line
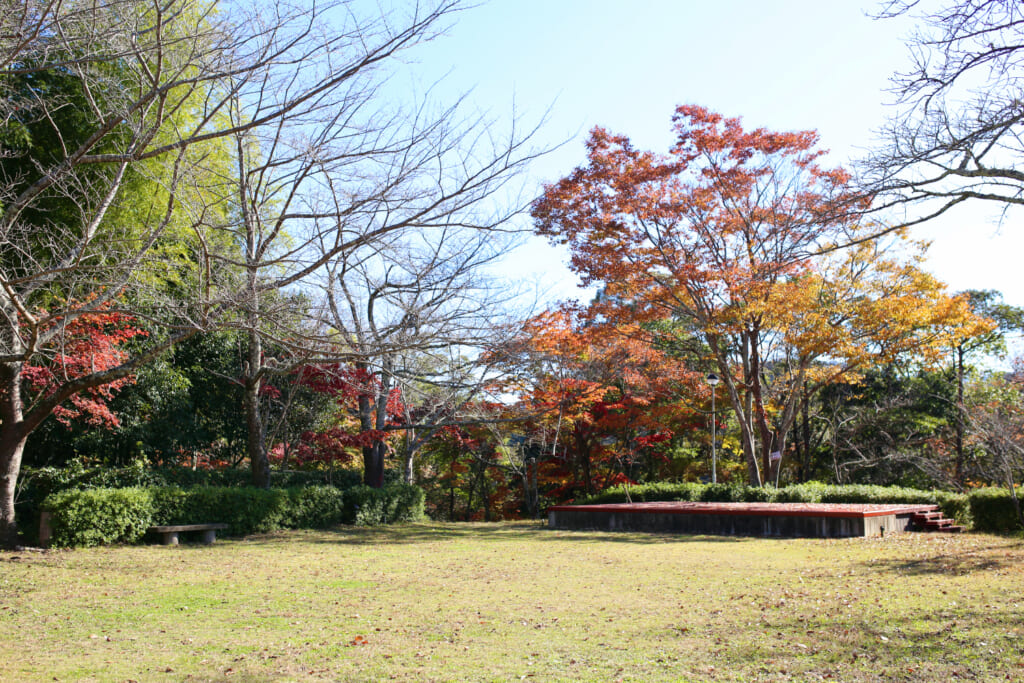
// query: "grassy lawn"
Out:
[517,602]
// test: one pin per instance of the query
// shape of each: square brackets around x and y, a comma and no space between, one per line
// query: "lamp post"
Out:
[713,380]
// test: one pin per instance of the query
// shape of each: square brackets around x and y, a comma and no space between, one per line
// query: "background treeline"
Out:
[213,260]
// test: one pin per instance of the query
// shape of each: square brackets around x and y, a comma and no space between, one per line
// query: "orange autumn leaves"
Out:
[732,234]
[609,402]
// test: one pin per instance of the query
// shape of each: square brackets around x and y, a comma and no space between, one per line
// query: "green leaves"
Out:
[107,515]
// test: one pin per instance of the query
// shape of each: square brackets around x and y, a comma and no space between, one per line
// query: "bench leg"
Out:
[209,536]
[170,538]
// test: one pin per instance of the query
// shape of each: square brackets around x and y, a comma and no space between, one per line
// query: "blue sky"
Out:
[785,64]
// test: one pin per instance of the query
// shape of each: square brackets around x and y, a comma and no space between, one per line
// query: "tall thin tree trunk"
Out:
[256,447]
[805,414]
[747,428]
[409,464]
[451,489]
[12,445]
[583,457]
[411,446]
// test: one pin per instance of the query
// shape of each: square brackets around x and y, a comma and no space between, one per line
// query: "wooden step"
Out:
[925,516]
[935,522]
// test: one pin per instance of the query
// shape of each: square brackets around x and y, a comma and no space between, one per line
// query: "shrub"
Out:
[408,502]
[94,516]
[245,510]
[615,494]
[993,510]
[809,492]
[241,478]
[315,507]
[955,506]
[97,516]
[645,493]
[366,506]
[36,484]
[756,494]
[721,493]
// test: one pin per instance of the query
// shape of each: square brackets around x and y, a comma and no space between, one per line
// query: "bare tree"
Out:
[176,97]
[995,421]
[960,111]
[363,234]
[420,313]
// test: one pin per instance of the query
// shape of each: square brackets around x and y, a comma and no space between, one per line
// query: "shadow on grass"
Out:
[956,562]
[408,534]
[951,643]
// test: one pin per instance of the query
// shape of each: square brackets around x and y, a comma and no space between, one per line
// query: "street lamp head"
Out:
[712,379]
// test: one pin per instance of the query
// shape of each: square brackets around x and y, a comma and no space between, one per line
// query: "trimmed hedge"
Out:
[316,507]
[35,485]
[993,510]
[646,493]
[366,506]
[105,515]
[244,510]
[99,516]
[954,505]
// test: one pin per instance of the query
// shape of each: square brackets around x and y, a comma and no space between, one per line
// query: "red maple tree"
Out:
[356,391]
[87,344]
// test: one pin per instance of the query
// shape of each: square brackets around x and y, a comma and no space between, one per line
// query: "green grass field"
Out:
[506,602]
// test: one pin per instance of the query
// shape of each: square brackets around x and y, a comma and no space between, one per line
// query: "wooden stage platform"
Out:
[820,520]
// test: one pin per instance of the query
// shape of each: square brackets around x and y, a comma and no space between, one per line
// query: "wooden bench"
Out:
[170,533]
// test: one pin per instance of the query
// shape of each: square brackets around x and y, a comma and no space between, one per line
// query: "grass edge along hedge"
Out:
[987,509]
[90,517]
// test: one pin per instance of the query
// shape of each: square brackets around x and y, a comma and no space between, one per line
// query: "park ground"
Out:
[517,601]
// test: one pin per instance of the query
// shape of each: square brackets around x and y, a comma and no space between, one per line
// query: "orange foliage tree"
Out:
[608,401]
[725,233]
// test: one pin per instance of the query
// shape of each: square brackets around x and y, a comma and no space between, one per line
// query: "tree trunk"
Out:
[451,492]
[373,416]
[11,448]
[12,445]
[486,496]
[255,447]
[373,465]
[411,446]
[805,414]
[470,490]
[252,374]
[742,405]
[583,458]
[255,442]
[764,430]
[408,467]
[530,502]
